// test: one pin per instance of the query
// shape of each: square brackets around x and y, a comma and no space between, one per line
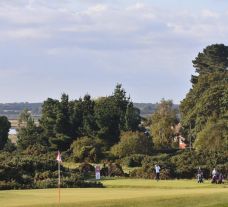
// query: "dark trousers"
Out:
[157,176]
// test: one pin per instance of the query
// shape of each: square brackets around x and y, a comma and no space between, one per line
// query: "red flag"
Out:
[58,158]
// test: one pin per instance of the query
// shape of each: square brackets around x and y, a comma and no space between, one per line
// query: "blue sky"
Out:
[48,47]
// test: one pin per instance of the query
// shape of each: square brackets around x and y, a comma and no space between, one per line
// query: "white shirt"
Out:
[214,172]
[157,168]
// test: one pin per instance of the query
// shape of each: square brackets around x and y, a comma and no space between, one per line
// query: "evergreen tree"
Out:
[4,130]
[89,123]
[107,120]
[214,58]
[29,134]
[49,116]
[76,118]
[132,118]
[63,125]
[208,98]
[121,102]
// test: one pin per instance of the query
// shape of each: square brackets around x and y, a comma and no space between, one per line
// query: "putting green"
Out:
[124,193]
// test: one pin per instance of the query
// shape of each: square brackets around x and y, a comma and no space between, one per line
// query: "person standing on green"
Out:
[157,171]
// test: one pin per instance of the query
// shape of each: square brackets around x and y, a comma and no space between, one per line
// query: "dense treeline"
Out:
[110,130]
[204,111]
[63,122]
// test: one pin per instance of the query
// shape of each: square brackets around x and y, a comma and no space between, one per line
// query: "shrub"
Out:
[87,149]
[115,169]
[133,160]
[8,185]
[87,170]
[47,183]
[132,143]
[31,172]
[143,172]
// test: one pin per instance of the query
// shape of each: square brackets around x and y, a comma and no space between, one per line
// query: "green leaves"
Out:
[213,58]
[207,101]
[4,129]
[132,143]
[162,120]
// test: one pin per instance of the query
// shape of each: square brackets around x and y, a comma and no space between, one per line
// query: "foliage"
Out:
[29,134]
[21,172]
[132,118]
[214,136]
[134,160]
[65,121]
[186,163]
[87,149]
[132,143]
[162,120]
[115,169]
[107,119]
[4,129]
[9,146]
[212,59]
[207,101]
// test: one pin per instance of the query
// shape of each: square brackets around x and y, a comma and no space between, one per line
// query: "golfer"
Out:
[157,171]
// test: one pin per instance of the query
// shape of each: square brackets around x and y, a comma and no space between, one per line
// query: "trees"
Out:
[49,117]
[4,130]
[214,58]
[62,125]
[64,121]
[56,123]
[86,148]
[89,123]
[107,120]
[132,118]
[208,98]
[162,120]
[121,102]
[114,114]
[132,143]
[213,137]
[28,133]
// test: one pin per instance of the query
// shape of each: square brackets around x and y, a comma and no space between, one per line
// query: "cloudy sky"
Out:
[48,47]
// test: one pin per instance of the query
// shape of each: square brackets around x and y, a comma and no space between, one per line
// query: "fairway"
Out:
[124,192]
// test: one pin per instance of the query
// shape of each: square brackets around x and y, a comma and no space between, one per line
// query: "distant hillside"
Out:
[146,109]
[12,110]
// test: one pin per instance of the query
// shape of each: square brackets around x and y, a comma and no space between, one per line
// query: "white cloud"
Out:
[208,13]
[99,8]
[119,40]
[26,34]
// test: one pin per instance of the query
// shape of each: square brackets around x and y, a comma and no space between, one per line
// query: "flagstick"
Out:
[59,181]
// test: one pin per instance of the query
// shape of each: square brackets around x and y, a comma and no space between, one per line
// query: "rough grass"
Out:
[124,193]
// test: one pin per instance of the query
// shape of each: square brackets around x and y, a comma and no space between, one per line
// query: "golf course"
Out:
[124,193]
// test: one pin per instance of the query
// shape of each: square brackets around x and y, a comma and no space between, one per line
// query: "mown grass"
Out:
[124,193]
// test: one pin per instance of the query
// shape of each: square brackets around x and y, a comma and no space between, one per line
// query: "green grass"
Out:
[124,193]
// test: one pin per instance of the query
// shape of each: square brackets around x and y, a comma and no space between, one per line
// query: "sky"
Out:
[78,47]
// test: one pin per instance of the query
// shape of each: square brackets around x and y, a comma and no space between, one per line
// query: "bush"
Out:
[133,160]
[115,169]
[148,167]
[132,143]
[75,182]
[143,172]
[8,185]
[87,149]
[22,172]
[87,170]
[47,183]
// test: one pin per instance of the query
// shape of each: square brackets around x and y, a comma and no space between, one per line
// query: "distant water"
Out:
[12,131]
